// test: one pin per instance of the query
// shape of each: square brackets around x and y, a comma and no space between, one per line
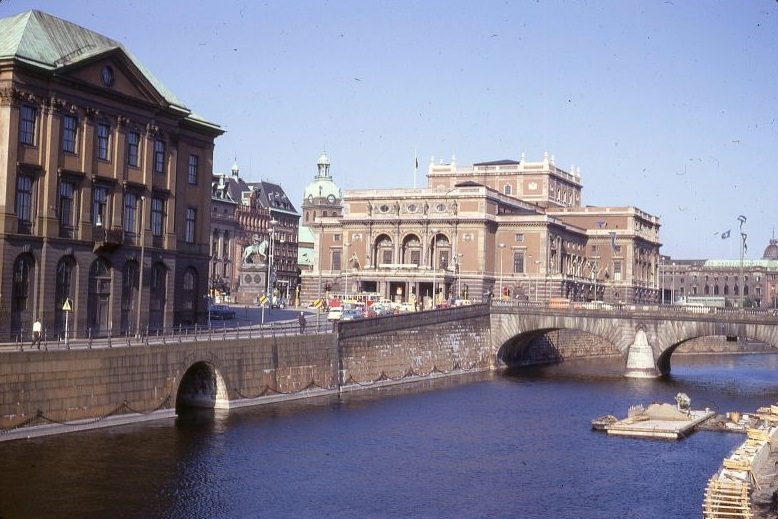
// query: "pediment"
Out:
[115,73]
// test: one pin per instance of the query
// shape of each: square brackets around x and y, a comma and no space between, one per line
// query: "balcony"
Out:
[107,240]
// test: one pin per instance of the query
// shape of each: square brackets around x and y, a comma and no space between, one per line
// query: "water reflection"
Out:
[512,444]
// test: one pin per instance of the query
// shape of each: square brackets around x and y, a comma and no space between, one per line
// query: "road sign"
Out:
[67,307]
[262,300]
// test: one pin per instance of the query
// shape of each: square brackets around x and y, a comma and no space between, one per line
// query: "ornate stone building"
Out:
[105,186]
[510,228]
[684,280]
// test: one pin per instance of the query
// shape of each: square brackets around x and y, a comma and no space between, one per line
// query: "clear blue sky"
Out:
[669,106]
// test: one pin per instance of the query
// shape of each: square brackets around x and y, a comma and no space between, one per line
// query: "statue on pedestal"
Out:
[255,254]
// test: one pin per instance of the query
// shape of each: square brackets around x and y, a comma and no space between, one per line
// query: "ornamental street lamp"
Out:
[434,266]
[502,248]
[348,250]
[459,275]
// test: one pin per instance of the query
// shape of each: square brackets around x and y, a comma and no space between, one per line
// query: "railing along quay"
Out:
[233,329]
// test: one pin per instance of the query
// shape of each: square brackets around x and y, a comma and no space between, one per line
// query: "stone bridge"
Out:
[645,336]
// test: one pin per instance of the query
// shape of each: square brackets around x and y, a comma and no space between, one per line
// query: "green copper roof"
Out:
[51,43]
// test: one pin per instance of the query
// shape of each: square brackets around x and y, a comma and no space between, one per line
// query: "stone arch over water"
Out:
[554,345]
[202,386]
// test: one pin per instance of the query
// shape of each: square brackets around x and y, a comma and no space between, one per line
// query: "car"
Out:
[351,314]
[221,312]
[335,313]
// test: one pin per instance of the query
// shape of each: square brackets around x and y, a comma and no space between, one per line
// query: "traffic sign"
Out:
[67,307]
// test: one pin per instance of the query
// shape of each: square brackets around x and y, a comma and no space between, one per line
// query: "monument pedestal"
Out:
[253,283]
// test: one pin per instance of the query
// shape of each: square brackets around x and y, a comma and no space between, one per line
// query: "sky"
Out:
[669,106]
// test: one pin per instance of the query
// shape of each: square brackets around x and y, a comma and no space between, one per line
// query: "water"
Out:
[510,445]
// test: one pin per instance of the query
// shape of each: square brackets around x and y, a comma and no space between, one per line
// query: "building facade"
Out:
[105,196]
[511,229]
[246,213]
[718,281]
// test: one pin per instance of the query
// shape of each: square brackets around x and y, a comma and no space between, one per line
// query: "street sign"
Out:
[262,300]
[67,307]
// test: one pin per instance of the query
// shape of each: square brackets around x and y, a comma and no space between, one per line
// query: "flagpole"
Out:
[415,167]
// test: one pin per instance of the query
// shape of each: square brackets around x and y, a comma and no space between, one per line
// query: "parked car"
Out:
[221,312]
[351,314]
[335,313]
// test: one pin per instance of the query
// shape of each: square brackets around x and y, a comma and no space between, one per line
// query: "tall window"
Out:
[103,141]
[24,202]
[100,199]
[21,283]
[159,156]
[194,162]
[191,223]
[518,262]
[336,260]
[69,133]
[29,120]
[133,142]
[157,216]
[66,205]
[130,212]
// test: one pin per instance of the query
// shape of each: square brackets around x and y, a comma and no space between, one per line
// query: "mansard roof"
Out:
[274,197]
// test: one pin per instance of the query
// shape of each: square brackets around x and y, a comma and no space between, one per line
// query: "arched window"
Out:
[189,296]
[99,298]
[65,289]
[21,293]
[130,278]
[507,189]
[157,296]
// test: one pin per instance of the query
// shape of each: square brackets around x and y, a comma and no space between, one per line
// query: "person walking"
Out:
[36,334]
[301,320]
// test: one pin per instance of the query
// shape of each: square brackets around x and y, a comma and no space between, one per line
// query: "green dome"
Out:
[322,186]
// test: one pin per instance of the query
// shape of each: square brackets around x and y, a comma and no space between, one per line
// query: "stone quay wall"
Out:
[91,385]
[415,344]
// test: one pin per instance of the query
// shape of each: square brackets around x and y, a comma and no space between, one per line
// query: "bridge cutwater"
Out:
[50,392]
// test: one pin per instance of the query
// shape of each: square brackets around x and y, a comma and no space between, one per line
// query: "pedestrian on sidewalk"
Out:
[36,334]
[301,320]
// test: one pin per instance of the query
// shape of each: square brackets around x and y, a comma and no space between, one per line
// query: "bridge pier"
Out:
[640,358]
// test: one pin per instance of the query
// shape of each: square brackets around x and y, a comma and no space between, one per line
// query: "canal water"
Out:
[514,445]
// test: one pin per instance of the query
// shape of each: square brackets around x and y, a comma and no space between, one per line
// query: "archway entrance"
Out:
[202,386]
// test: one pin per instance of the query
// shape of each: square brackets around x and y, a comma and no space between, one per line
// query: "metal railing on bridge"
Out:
[679,312]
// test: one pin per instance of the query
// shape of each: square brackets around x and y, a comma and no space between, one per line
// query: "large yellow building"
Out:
[106,181]
[504,228]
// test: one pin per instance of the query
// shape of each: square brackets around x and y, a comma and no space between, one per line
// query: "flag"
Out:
[601,223]
[613,241]
[417,162]
[726,234]
[745,247]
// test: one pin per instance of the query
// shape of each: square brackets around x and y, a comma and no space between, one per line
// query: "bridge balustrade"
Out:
[672,312]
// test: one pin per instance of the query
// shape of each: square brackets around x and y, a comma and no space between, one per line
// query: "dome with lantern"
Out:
[771,251]
[323,187]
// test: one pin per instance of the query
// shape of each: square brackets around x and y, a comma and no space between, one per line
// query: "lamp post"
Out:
[742,219]
[537,279]
[459,276]
[672,285]
[502,248]
[268,293]
[434,265]
[348,250]
[140,270]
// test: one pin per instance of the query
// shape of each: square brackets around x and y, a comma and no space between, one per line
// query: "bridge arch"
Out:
[552,345]
[202,386]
